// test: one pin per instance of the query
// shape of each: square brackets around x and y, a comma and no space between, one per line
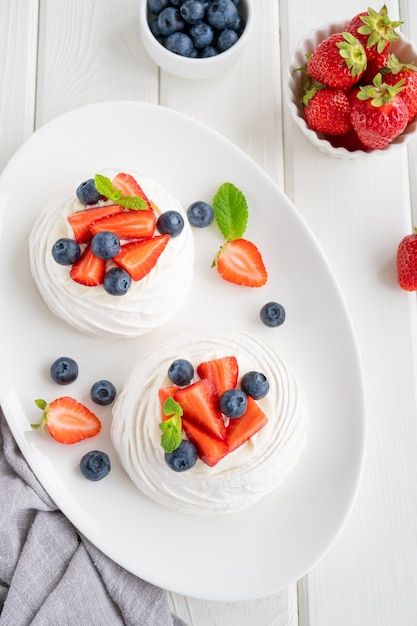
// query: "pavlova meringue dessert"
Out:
[108,256]
[210,422]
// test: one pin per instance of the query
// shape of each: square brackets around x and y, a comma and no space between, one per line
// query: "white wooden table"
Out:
[56,55]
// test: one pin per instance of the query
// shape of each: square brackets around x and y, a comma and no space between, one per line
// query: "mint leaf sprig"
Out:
[107,189]
[171,428]
[230,211]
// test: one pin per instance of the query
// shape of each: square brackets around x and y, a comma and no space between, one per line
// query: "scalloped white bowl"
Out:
[185,67]
[403,48]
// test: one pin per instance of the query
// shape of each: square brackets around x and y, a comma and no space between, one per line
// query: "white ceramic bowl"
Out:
[185,67]
[402,48]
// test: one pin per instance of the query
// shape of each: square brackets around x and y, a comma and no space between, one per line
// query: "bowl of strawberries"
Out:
[352,86]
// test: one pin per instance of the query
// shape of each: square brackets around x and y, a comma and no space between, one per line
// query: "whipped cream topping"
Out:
[91,309]
[244,475]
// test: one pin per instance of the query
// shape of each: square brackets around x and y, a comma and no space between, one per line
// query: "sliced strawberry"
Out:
[127,224]
[240,262]
[81,220]
[210,449]
[89,270]
[199,402]
[241,429]
[164,393]
[139,257]
[67,420]
[129,187]
[223,373]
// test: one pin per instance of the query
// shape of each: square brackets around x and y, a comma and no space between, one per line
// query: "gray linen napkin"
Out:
[52,575]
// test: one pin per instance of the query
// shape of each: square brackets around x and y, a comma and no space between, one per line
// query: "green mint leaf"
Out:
[107,189]
[172,407]
[133,202]
[171,433]
[230,211]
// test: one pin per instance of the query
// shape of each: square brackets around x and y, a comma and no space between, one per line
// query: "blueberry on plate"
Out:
[254,384]
[200,214]
[87,192]
[272,314]
[66,251]
[103,392]
[64,370]
[180,372]
[95,465]
[170,223]
[183,458]
[105,245]
[233,403]
[117,281]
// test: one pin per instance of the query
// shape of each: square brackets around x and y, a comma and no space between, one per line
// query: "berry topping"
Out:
[180,372]
[182,458]
[64,370]
[131,194]
[255,384]
[105,245]
[170,223]
[95,465]
[222,372]
[200,214]
[66,251]
[117,281]
[81,221]
[199,402]
[233,403]
[67,420]
[139,257]
[103,392]
[89,270]
[272,314]
[127,224]
[87,192]
[239,431]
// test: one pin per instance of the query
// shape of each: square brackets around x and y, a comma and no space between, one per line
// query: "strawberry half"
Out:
[165,393]
[67,420]
[241,429]
[89,270]
[82,220]
[129,187]
[199,402]
[139,257]
[127,224]
[210,449]
[407,262]
[240,262]
[222,372]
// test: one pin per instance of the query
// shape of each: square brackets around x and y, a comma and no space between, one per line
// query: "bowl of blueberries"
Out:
[195,38]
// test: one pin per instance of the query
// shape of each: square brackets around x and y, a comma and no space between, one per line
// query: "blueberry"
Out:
[180,43]
[192,11]
[209,51]
[66,251]
[103,392]
[226,39]
[221,13]
[183,458]
[87,192]
[200,214]
[238,25]
[233,403]
[202,34]
[180,372]
[170,223]
[64,370]
[272,314]
[169,21]
[255,384]
[95,465]
[156,6]
[105,244]
[117,281]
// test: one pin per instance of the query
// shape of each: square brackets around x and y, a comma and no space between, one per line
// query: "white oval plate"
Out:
[234,557]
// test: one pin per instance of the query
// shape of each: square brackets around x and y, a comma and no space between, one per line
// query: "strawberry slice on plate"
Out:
[223,373]
[239,261]
[129,187]
[127,224]
[139,257]
[89,270]
[82,220]
[210,449]
[199,402]
[241,429]
[67,420]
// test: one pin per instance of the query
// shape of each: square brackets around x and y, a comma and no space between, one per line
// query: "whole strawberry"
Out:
[407,262]
[396,71]
[327,110]
[375,66]
[379,114]
[339,61]
[375,30]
